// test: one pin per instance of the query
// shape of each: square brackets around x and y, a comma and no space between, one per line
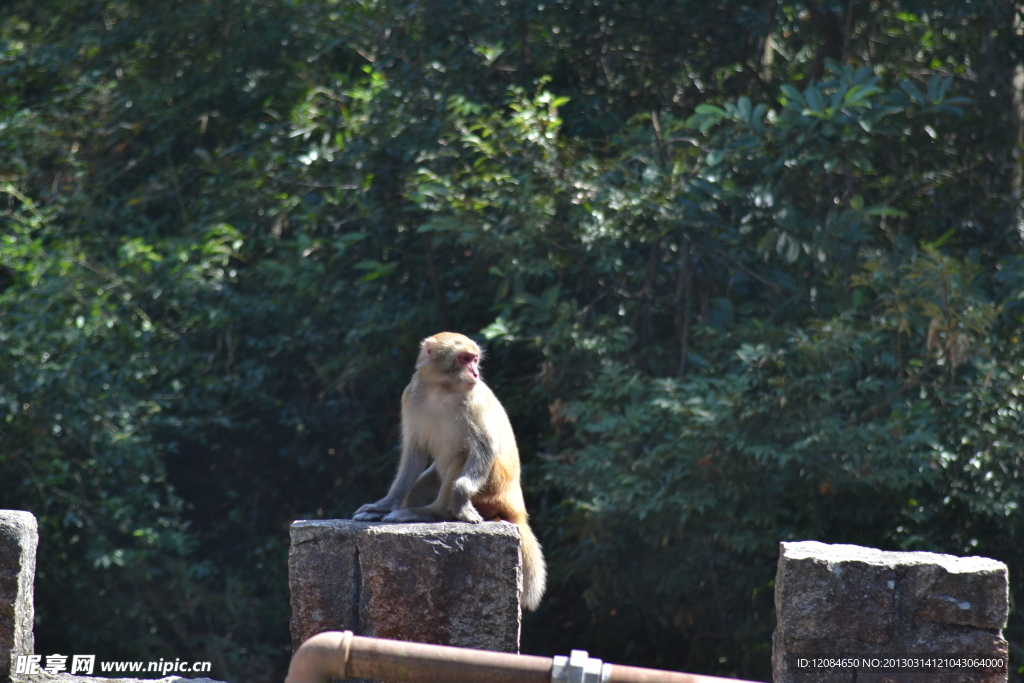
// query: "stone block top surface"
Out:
[815,550]
[20,519]
[306,529]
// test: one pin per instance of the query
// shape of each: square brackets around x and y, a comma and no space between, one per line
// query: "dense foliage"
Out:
[746,272]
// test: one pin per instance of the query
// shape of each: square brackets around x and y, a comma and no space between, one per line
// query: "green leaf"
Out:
[743,107]
[710,110]
[885,211]
[792,94]
[813,98]
[912,92]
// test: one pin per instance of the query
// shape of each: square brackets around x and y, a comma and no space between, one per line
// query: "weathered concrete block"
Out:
[848,601]
[323,577]
[449,583]
[19,538]
[969,591]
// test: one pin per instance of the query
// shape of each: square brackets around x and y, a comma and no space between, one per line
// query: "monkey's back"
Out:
[501,496]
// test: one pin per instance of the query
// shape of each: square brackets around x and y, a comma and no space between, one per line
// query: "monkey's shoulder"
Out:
[491,418]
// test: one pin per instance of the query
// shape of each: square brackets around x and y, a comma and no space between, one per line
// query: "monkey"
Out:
[449,414]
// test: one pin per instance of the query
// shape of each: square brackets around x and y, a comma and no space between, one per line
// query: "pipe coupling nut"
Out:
[578,667]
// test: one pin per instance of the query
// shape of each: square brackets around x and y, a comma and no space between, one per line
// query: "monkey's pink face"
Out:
[469,366]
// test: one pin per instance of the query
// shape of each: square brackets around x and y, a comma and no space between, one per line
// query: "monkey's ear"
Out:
[428,344]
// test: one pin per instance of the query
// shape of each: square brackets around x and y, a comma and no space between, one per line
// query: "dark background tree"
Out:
[746,272]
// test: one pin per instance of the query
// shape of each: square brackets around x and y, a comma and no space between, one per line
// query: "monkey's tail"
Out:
[535,572]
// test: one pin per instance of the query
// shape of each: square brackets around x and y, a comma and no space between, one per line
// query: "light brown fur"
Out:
[449,414]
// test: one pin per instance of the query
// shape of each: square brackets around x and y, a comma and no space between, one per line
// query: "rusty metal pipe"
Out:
[322,656]
[634,674]
[345,655]
[400,662]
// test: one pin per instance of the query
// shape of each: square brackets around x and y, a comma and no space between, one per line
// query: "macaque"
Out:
[449,414]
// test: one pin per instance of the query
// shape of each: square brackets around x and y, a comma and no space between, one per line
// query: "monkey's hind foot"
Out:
[469,514]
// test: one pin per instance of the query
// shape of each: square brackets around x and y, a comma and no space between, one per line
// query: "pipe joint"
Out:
[579,667]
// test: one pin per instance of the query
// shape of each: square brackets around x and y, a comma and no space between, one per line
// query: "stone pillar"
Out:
[19,538]
[837,601]
[449,583]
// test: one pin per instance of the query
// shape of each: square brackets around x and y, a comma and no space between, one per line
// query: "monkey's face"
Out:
[469,366]
[450,358]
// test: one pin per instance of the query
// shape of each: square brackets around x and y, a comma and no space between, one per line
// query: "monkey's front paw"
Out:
[371,512]
[469,514]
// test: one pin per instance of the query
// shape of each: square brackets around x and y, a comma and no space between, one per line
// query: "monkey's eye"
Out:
[465,358]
